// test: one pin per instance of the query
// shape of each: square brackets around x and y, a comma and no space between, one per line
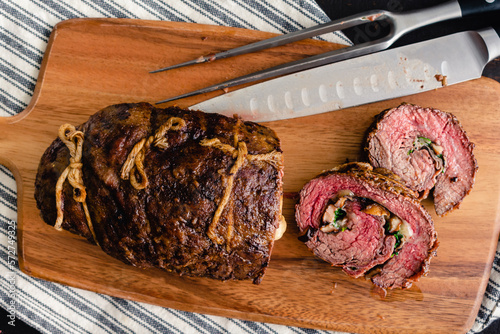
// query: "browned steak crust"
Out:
[165,224]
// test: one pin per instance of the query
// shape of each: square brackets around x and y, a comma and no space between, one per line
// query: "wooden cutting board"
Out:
[93,63]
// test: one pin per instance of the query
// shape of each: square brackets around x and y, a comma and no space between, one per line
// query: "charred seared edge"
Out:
[428,149]
[383,225]
[164,222]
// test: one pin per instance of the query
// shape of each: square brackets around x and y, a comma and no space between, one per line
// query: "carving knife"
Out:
[375,77]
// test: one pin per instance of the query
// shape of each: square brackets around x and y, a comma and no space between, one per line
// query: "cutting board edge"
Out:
[484,279]
[6,121]
[236,314]
[33,270]
[215,311]
[494,241]
[124,22]
[13,168]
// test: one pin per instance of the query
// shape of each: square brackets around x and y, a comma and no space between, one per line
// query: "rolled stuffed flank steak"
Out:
[427,148]
[360,218]
[194,193]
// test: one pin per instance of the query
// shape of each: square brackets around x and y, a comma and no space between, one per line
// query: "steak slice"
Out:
[194,193]
[362,245]
[378,223]
[427,148]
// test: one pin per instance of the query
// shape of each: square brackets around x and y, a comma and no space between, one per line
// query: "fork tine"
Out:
[196,92]
[400,25]
[287,38]
[187,63]
[295,66]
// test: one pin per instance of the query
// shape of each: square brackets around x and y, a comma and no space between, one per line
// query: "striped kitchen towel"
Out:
[25,26]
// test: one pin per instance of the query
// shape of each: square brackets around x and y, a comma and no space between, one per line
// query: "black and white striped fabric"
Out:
[25,26]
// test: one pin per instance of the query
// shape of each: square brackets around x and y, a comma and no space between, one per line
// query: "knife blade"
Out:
[380,76]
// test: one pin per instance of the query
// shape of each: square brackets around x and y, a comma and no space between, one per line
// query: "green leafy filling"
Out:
[340,214]
[418,143]
[399,238]
[424,140]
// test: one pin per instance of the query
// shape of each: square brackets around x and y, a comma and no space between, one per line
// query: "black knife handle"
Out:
[471,7]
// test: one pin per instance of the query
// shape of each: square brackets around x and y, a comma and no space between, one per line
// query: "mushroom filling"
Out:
[435,151]
[335,219]
[394,225]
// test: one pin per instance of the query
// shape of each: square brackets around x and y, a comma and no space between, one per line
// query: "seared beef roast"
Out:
[427,148]
[194,193]
[359,218]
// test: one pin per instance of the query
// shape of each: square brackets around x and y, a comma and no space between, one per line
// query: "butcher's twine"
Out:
[73,140]
[135,159]
[239,152]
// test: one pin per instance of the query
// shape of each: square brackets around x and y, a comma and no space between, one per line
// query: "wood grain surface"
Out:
[93,63]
